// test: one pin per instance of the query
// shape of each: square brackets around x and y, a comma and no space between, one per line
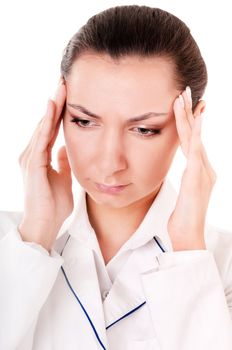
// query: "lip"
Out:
[110,189]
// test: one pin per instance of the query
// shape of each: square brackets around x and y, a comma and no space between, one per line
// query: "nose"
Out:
[111,156]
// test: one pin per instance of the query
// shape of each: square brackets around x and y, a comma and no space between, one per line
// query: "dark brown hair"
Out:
[146,32]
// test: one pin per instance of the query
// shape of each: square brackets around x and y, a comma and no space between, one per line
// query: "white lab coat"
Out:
[159,300]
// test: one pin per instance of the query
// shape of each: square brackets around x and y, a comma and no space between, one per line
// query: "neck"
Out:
[114,226]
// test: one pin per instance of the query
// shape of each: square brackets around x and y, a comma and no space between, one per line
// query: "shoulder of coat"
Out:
[219,242]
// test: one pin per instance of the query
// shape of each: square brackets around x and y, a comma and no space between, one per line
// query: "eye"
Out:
[149,132]
[84,123]
[78,121]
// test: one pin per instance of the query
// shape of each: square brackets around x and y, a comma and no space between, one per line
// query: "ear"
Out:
[200,107]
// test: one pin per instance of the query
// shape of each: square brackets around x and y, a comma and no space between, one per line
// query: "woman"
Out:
[134,265]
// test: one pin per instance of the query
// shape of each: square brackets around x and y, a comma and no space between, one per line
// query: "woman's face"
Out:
[111,149]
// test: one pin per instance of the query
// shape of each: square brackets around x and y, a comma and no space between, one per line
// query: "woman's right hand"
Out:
[48,198]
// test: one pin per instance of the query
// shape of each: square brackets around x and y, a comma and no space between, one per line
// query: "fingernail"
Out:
[181,101]
[189,94]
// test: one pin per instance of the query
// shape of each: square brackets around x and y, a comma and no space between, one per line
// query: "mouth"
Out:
[110,189]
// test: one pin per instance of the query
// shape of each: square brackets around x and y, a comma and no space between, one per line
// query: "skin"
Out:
[109,151]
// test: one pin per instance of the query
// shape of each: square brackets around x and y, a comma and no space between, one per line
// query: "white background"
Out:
[33,36]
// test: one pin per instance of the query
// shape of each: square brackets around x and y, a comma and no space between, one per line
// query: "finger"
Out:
[39,155]
[195,162]
[27,150]
[210,170]
[197,159]
[57,107]
[63,162]
[187,95]
[198,145]
[60,98]
[195,142]
[56,129]
[182,124]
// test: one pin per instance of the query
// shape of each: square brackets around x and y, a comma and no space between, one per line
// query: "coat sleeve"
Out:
[187,302]
[27,273]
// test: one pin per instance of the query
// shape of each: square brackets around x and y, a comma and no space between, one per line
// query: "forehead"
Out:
[129,78]
[134,68]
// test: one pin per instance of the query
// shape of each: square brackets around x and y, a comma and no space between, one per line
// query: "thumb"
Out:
[63,162]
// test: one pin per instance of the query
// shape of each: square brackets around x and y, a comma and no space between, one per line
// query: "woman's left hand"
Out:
[187,221]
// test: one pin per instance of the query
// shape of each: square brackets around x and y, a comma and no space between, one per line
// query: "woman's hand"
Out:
[48,198]
[187,221]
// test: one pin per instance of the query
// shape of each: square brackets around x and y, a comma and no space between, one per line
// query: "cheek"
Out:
[154,161]
[151,163]
[79,152]
[78,159]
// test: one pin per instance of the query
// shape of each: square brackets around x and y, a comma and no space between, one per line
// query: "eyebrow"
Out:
[134,119]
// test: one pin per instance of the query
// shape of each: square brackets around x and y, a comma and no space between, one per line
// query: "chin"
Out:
[111,201]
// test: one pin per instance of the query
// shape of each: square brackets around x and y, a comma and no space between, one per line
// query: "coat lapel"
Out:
[127,294]
[80,271]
